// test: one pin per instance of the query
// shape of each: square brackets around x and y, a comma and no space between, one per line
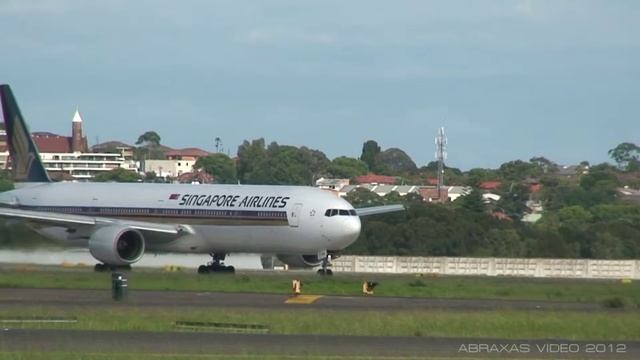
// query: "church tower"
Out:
[78,142]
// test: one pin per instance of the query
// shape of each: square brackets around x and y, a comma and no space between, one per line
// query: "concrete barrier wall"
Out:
[553,268]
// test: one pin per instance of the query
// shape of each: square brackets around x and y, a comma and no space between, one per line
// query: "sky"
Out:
[507,79]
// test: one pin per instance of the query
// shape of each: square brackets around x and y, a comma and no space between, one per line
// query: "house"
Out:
[176,163]
[570,171]
[168,168]
[629,194]
[68,157]
[531,218]
[430,194]
[118,147]
[332,184]
[490,198]
[375,179]
[188,154]
[455,192]
[489,185]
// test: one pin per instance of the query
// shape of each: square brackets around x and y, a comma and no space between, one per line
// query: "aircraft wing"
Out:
[70,220]
[374,210]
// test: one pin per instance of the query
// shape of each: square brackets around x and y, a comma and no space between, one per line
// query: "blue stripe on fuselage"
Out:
[263,215]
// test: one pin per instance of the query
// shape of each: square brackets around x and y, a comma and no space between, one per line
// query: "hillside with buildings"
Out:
[534,208]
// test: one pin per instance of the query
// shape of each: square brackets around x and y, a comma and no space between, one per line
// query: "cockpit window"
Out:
[341,212]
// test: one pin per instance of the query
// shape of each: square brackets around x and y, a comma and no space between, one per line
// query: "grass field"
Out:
[577,290]
[143,356]
[511,324]
[508,324]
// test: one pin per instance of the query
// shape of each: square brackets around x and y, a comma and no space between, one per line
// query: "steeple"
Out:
[76,116]
[78,143]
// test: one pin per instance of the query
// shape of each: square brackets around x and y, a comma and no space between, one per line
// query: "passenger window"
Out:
[344,212]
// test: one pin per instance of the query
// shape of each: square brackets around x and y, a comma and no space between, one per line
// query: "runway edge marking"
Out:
[302,299]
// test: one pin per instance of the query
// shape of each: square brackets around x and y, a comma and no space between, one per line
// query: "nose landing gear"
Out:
[216,266]
[326,262]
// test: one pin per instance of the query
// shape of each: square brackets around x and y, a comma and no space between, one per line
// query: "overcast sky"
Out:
[507,79]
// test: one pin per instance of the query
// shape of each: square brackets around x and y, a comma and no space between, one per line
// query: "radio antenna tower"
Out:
[441,156]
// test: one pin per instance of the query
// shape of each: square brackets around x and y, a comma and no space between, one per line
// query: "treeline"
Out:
[584,215]
[604,231]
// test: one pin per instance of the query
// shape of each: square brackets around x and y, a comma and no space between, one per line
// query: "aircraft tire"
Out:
[203,269]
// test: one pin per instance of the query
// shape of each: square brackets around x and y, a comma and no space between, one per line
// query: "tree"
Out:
[149,137]
[279,164]
[251,158]
[346,167]
[361,197]
[544,164]
[473,201]
[369,156]
[150,176]
[513,200]
[625,153]
[519,170]
[6,180]
[117,175]
[218,165]
[477,176]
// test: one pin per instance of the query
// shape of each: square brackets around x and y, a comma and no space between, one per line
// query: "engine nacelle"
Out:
[117,245]
[300,261]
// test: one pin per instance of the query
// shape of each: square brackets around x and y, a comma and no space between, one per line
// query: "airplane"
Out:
[119,222]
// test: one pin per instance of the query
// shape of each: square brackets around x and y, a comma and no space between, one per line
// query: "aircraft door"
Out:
[294,215]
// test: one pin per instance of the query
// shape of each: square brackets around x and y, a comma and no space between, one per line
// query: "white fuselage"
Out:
[221,218]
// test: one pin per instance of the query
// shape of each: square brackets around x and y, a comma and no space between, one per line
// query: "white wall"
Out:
[555,268]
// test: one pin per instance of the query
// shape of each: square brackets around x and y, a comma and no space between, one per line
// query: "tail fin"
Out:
[25,160]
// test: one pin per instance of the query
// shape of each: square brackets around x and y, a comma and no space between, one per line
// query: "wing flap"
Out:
[374,210]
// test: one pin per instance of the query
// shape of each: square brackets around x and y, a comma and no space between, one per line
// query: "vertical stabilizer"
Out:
[25,160]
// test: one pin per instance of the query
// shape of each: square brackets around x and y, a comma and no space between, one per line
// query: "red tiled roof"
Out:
[430,194]
[432,181]
[489,185]
[195,152]
[375,179]
[52,143]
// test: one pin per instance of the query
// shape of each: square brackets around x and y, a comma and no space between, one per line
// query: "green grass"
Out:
[510,324]
[143,356]
[578,290]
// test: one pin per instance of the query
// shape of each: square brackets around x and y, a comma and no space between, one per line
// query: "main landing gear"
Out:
[216,266]
[326,262]
[106,268]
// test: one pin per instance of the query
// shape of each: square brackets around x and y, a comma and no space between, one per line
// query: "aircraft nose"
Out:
[350,230]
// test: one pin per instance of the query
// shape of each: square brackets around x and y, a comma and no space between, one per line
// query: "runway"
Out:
[305,345]
[139,298]
[80,341]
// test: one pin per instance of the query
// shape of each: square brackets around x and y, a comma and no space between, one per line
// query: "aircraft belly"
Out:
[267,239]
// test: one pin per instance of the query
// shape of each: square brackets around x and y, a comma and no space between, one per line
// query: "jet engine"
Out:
[117,245]
[300,261]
